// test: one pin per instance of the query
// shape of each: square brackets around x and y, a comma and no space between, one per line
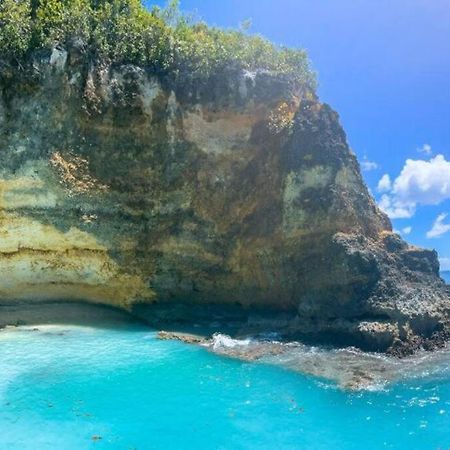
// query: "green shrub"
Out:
[15,28]
[124,31]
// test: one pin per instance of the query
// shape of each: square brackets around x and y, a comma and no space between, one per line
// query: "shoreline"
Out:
[61,313]
[348,368]
[208,319]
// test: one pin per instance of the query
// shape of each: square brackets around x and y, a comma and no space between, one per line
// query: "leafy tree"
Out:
[124,31]
[15,28]
[57,21]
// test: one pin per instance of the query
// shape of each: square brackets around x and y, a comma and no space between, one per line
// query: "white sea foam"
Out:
[350,368]
[220,340]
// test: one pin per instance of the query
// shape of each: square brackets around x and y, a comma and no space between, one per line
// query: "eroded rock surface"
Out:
[239,202]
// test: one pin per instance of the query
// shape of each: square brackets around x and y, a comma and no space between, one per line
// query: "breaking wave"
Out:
[350,368]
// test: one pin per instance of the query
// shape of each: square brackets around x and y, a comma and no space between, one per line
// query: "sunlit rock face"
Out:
[238,201]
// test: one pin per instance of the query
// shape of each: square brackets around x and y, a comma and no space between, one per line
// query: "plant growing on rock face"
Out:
[15,28]
[124,31]
[281,118]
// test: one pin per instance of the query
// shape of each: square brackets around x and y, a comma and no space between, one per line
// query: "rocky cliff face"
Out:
[239,201]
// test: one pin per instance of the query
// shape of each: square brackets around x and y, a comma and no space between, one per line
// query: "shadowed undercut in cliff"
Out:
[236,199]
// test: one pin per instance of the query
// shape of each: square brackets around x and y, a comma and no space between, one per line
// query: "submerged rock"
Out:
[188,338]
[240,203]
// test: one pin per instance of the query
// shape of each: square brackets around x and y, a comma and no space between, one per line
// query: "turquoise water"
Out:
[62,386]
[446,276]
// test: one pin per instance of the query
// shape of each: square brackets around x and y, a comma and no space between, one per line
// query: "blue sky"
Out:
[384,65]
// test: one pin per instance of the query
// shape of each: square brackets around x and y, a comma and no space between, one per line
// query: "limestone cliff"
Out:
[237,200]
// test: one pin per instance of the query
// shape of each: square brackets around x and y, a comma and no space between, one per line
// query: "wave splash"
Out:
[220,340]
[349,368]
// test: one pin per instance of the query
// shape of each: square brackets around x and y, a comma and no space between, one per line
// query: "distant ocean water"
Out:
[72,387]
[446,276]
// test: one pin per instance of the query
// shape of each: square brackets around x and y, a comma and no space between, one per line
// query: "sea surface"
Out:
[77,387]
[446,276]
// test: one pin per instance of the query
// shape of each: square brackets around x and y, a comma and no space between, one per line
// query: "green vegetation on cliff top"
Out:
[124,31]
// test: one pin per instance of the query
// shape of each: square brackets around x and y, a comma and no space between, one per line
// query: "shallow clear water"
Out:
[62,386]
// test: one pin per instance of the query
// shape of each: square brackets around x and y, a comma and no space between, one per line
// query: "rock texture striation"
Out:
[239,201]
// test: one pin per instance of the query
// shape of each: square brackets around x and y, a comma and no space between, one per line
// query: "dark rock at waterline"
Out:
[246,208]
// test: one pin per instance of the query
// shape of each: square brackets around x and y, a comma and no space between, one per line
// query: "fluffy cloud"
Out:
[445,263]
[385,183]
[426,148]
[439,227]
[395,209]
[419,183]
[406,230]
[367,165]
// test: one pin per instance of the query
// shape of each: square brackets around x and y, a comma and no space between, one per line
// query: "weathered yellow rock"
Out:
[118,187]
[40,262]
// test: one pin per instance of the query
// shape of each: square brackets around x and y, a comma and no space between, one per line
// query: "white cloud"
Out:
[403,231]
[419,183]
[395,209]
[445,263]
[367,165]
[426,148]
[385,183]
[406,230]
[439,227]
